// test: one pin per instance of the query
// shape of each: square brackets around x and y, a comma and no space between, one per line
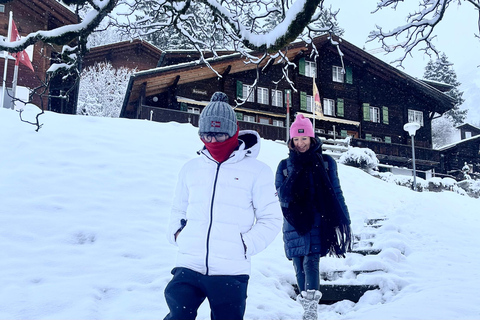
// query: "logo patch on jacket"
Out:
[215,124]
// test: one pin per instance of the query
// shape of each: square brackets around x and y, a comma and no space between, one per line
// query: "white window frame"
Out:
[328,107]
[264,121]
[415,116]
[248,118]
[377,139]
[310,103]
[468,134]
[193,110]
[337,74]
[375,114]
[277,98]
[262,95]
[277,123]
[310,69]
[246,90]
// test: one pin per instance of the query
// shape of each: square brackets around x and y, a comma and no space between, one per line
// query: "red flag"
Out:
[23,55]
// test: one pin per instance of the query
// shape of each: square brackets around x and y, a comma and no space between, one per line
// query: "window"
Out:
[388,139]
[310,69]
[310,103]
[277,98]
[337,74]
[262,95]
[264,120]
[278,123]
[332,133]
[468,134]
[375,114]
[249,118]
[329,107]
[307,68]
[193,110]
[415,116]
[248,93]
[2,8]
[376,139]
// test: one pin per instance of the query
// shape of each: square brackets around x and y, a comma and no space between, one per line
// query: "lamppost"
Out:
[411,128]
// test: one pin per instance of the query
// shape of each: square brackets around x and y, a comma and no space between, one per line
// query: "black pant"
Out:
[187,290]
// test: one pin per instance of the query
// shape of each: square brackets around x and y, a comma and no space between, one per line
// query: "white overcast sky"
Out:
[455,37]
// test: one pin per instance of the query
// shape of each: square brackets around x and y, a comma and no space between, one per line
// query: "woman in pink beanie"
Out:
[316,218]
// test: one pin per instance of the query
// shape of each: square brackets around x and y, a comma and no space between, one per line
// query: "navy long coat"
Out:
[314,241]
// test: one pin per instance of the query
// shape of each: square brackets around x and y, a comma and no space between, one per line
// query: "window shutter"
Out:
[301,66]
[239,115]
[366,111]
[368,136]
[239,89]
[388,139]
[340,109]
[343,133]
[303,101]
[348,75]
[385,115]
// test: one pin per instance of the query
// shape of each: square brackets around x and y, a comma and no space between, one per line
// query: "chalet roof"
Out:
[59,14]
[468,126]
[99,52]
[157,80]
[452,145]
[444,87]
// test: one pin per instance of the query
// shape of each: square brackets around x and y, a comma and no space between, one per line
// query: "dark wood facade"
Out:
[467,131]
[30,16]
[135,55]
[455,155]
[179,92]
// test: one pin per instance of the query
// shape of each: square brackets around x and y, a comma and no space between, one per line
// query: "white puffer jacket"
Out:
[225,206]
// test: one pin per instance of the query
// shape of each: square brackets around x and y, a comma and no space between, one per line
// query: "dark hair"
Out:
[291,146]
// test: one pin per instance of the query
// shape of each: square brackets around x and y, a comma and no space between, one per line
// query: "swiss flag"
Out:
[20,56]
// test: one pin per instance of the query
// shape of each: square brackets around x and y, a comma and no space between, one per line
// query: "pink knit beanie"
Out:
[301,127]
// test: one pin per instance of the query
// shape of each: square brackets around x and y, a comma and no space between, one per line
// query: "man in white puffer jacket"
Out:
[225,210]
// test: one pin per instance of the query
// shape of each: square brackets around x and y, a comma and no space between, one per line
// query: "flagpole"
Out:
[314,106]
[9,34]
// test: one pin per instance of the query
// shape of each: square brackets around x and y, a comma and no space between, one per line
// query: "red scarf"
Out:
[220,151]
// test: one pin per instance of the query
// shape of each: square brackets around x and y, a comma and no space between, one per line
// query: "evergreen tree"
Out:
[441,70]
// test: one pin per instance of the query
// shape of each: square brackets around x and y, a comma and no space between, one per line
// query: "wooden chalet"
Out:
[467,131]
[456,155]
[30,16]
[135,55]
[465,151]
[361,96]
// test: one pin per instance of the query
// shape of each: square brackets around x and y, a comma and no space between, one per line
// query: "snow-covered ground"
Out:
[84,205]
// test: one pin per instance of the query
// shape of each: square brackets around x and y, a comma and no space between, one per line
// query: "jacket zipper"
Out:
[211,217]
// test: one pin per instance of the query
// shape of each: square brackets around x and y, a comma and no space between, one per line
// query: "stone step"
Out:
[367,251]
[374,221]
[337,274]
[332,293]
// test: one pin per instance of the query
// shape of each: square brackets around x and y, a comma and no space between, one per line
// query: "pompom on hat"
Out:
[218,116]
[301,127]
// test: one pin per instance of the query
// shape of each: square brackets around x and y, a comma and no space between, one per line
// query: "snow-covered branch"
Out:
[418,31]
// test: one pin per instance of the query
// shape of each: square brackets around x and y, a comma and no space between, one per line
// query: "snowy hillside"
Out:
[85,201]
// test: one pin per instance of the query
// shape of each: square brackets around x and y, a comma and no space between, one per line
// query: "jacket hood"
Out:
[251,142]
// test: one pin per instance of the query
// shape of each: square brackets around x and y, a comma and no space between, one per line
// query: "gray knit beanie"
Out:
[218,116]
